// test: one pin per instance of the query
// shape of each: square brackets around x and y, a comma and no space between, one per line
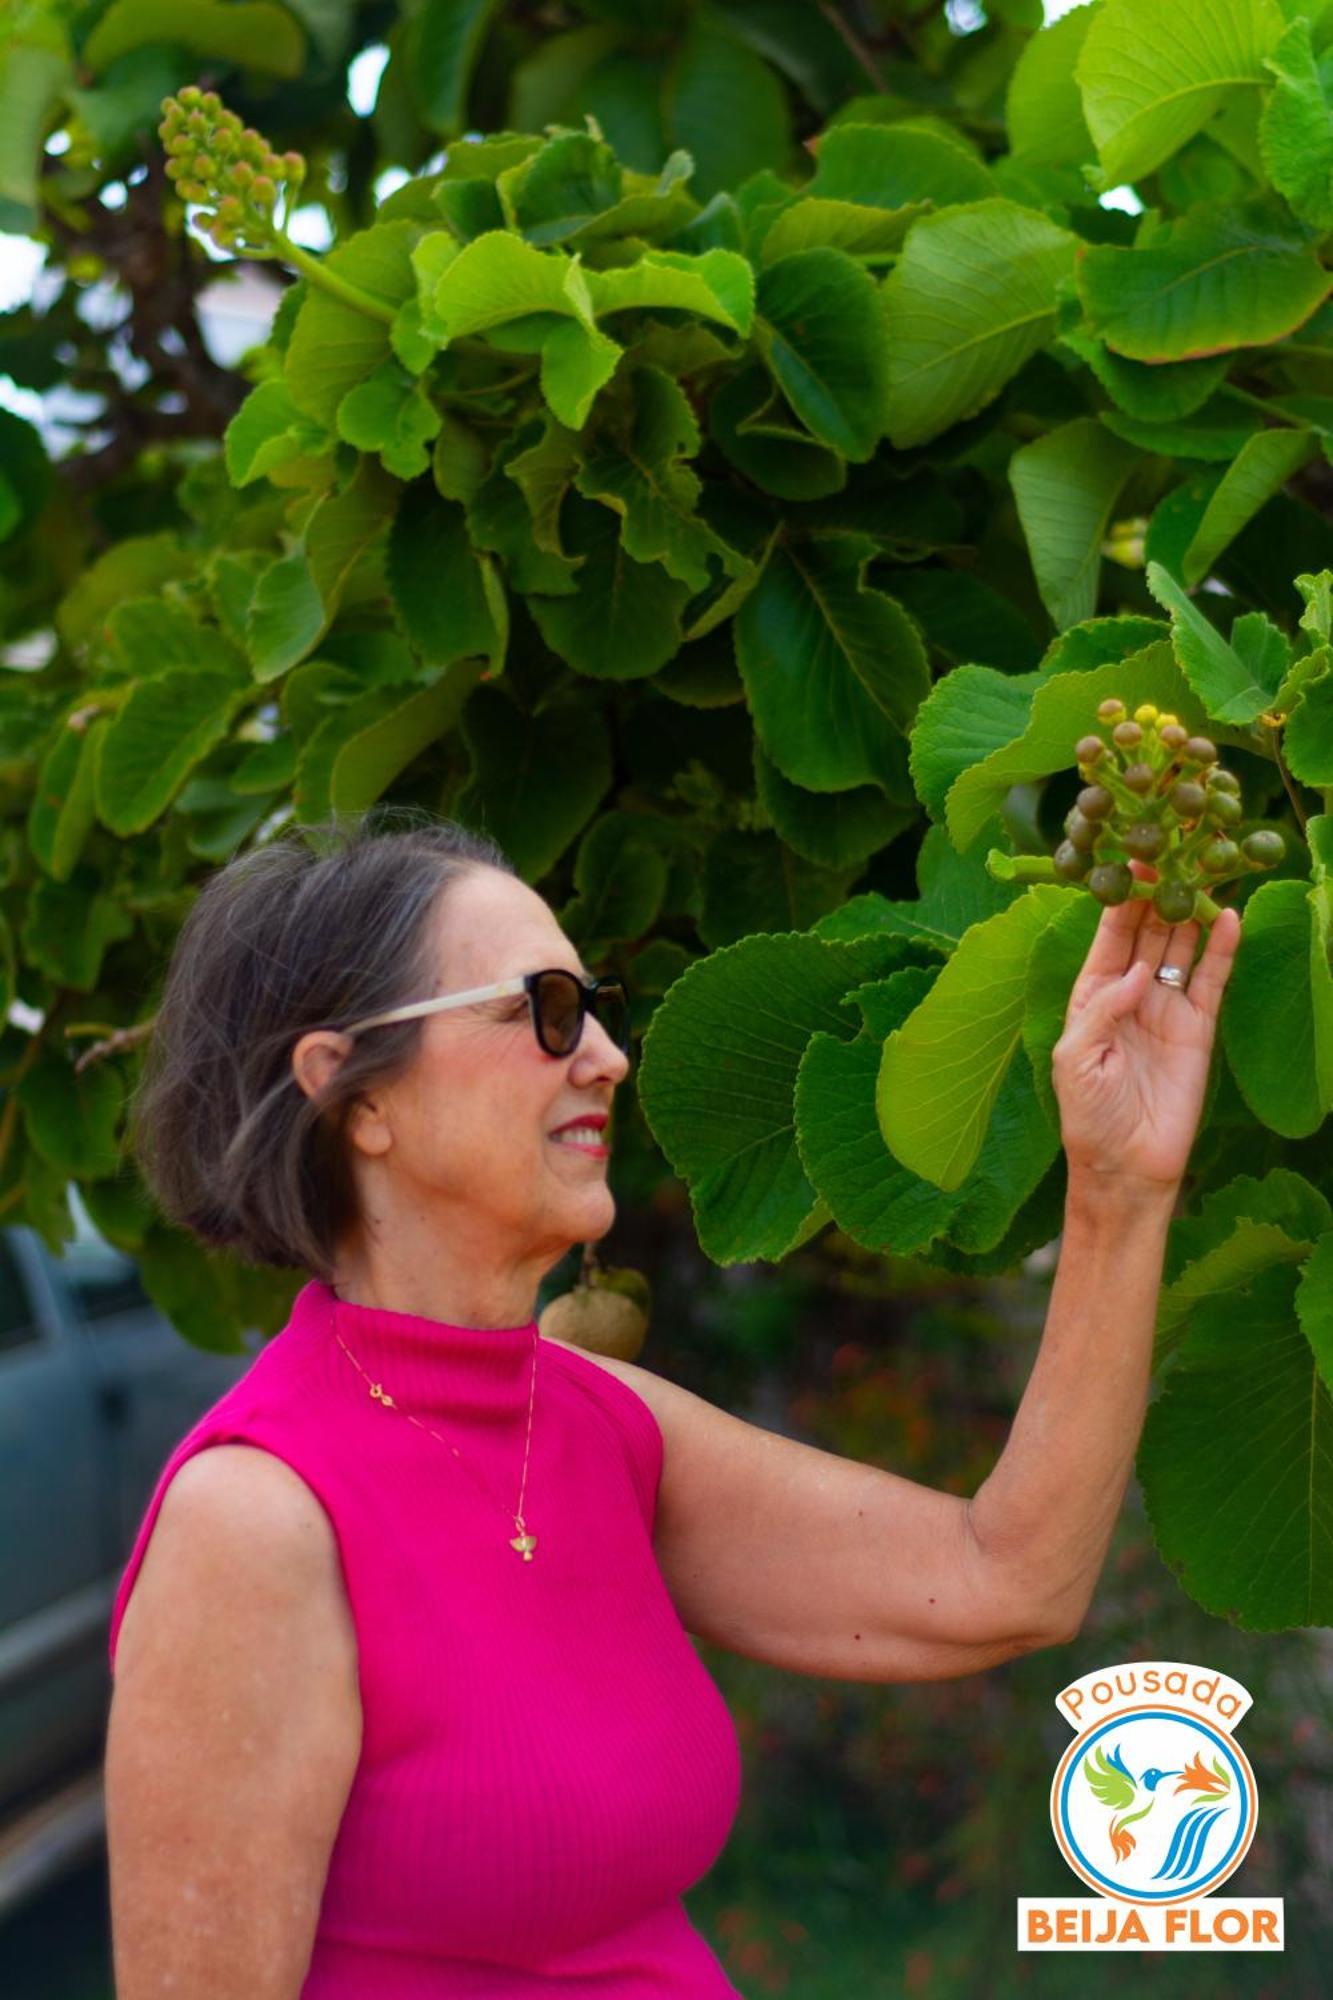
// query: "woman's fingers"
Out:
[1112,949]
[1210,976]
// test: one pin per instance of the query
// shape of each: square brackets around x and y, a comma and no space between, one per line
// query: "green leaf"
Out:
[1217,430]
[498,277]
[834,671]
[746,1013]
[1260,469]
[392,415]
[747,421]
[1306,699]
[645,479]
[1044,106]
[444,39]
[1221,678]
[832,829]
[622,621]
[1063,708]
[942,1070]
[892,166]
[334,346]
[577,361]
[367,763]
[1251,1530]
[67,926]
[620,878]
[1150,80]
[872,1196]
[165,727]
[1057,959]
[955,891]
[1098,640]
[821,331]
[1221,277]
[565,754]
[1154,394]
[1314,1306]
[1296,129]
[36,66]
[1228,1265]
[716,285]
[553,193]
[72,1119]
[1267,1020]
[813,223]
[1281,1197]
[63,809]
[285,618]
[1066,485]
[969,713]
[972,297]
[129,568]
[266,431]
[725,106]
[751,882]
[964,619]
[254,34]
[439,582]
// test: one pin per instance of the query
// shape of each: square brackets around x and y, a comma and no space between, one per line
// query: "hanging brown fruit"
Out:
[606,1313]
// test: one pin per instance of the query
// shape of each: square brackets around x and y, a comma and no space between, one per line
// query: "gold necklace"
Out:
[524,1541]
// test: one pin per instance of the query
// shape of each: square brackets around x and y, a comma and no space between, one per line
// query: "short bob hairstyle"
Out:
[321,924]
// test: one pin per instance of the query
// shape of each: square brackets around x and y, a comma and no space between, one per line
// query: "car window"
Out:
[101,1280]
[18,1325]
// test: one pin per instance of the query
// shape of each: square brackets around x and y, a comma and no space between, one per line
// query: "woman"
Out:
[405,1700]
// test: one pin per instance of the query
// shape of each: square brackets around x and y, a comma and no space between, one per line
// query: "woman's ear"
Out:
[317,1058]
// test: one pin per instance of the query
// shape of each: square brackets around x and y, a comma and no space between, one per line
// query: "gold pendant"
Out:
[525,1544]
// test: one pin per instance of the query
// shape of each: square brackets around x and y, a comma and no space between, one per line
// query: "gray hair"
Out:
[324,923]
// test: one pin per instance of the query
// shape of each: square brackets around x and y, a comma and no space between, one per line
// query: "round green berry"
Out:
[1188,799]
[1144,841]
[1221,856]
[1112,882]
[1223,781]
[1225,810]
[1071,863]
[1080,832]
[1200,751]
[1174,902]
[1095,802]
[1265,847]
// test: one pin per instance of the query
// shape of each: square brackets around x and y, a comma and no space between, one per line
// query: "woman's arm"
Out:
[1050,1504]
[825,1565]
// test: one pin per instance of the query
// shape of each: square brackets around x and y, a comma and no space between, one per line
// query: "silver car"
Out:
[96,1388]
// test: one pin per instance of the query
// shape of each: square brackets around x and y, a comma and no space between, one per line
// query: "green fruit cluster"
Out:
[227,168]
[1154,793]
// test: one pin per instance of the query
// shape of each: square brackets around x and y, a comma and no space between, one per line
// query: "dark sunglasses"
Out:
[558,1000]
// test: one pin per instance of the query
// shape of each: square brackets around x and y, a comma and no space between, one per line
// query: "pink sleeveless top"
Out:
[546,1765]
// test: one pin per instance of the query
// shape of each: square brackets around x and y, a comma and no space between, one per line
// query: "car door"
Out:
[54,1489]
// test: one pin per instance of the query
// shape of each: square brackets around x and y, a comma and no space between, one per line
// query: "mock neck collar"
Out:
[433,1368]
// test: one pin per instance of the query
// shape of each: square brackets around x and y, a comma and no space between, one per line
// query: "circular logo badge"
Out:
[1154,1805]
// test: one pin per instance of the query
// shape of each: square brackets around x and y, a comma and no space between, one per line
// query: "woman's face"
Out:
[466,1134]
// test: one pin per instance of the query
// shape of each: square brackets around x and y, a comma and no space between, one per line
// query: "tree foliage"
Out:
[768,441]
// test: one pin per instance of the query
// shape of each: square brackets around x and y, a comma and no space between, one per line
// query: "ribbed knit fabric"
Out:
[546,1765]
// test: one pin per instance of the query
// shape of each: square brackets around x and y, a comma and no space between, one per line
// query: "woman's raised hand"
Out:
[1131,1067]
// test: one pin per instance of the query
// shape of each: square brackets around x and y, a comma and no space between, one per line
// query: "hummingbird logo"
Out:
[1114,1785]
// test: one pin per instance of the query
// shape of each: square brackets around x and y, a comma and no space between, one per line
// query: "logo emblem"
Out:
[1154,1806]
